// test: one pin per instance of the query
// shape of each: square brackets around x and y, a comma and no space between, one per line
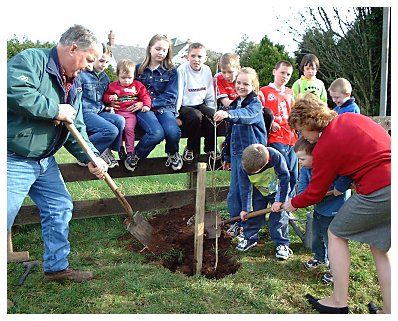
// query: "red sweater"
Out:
[128,96]
[280,102]
[351,145]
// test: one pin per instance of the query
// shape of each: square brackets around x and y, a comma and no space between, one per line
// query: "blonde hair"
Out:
[126,66]
[254,158]
[252,74]
[229,59]
[341,85]
[310,113]
[167,62]
[304,145]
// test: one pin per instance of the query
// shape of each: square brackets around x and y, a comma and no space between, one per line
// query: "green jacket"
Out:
[34,91]
[304,86]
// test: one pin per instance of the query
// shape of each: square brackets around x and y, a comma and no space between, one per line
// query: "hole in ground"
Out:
[172,246]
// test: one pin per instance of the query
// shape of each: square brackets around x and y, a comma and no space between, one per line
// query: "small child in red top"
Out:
[279,98]
[132,96]
[224,80]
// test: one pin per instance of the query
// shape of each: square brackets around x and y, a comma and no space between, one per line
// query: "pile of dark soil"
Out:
[173,246]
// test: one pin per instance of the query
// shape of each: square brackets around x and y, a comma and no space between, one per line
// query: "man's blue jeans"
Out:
[320,225]
[157,126]
[42,180]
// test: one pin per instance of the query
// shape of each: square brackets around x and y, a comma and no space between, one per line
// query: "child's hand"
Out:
[220,115]
[226,166]
[136,107]
[276,207]
[144,109]
[242,215]
[179,122]
[115,104]
[275,127]
[336,192]
[113,97]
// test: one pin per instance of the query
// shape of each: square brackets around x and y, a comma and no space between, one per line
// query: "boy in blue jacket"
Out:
[264,180]
[324,211]
[340,92]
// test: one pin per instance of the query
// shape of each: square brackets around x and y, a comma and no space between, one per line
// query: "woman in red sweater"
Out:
[348,145]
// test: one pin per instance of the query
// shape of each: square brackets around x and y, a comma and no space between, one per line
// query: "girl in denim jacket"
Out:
[246,127]
[158,75]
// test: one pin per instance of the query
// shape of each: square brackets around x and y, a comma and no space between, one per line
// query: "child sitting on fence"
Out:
[132,96]
[245,127]
[324,211]
[196,103]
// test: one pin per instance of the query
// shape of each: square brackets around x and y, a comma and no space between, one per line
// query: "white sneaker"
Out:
[188,155]
[81,163]
[112,159]
[175,161]
[106,157]
[283,252]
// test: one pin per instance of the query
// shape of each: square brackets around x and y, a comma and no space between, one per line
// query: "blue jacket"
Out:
[34,91]
[273,179]
[246,126]
[349,106]
[162,85]
[94,86]
[330,205]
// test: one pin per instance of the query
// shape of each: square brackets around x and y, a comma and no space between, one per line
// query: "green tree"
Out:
[348,48]
[14,46]
[262,57]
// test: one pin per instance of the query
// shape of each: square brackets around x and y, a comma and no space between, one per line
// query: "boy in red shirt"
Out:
[279,98]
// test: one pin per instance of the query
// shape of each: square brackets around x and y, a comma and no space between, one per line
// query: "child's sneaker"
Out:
[107,160]
[214,155]
[175,161]
[283,252]
[122,154]
[81,163]
[328,278]
[188,155]
[312,264]
[245,245]
[131,161]
[111,158]
[234,230]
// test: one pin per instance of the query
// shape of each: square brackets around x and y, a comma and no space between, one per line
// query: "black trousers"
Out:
[198,121]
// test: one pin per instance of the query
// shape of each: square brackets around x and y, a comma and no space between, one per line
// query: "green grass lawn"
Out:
[124,283]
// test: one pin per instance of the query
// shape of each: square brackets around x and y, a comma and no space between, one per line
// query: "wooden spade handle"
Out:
[93,158]
[247,216]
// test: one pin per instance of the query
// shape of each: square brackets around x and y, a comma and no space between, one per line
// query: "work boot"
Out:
[68,274]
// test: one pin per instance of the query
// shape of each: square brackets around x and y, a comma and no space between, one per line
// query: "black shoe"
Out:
[324,308]
[373,308]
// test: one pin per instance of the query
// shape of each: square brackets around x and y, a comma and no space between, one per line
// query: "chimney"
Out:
[111,39]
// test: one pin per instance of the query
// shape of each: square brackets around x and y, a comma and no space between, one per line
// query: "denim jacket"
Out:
[94,85]
[162,85]
[246,126]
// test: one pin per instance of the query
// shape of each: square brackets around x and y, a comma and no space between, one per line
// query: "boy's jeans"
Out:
[42,180]
[158,126]
[320,225]
[104,130]
[278,221]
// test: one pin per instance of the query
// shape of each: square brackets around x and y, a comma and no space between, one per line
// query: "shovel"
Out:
[136,224]
[213,221]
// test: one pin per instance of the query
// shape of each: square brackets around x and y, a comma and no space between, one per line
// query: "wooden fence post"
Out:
[15,256]
[199,217]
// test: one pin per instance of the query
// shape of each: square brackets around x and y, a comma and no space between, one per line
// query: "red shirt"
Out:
[128,96]
[351,145]
[280,102]
[224,89]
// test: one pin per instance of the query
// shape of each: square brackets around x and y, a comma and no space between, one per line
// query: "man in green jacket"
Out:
[43,92]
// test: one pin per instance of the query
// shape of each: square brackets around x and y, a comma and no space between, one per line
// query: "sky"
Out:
[219,25]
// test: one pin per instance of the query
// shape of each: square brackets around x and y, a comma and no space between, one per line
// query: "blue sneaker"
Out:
[245,245]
